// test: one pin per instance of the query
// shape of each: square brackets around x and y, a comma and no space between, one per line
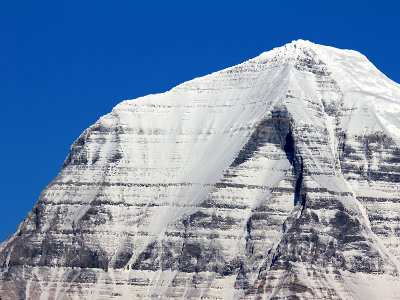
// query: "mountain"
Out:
[274,179]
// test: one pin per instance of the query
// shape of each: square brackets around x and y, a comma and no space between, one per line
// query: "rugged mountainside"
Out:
[275,179]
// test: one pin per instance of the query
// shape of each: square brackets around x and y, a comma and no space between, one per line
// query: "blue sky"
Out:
[63,64]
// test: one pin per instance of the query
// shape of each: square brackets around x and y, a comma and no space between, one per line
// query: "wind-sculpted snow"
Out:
[275,179]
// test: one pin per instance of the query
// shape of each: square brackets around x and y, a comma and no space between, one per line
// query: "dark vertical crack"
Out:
[289,147]
[299,183]
[297,163]
[37,217]
[248,225]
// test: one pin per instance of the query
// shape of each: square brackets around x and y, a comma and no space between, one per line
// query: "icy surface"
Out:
[278,177]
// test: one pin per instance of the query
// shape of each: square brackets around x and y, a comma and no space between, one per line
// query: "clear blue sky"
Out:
[63,64]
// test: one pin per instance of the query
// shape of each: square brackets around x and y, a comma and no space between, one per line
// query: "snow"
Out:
[176,147]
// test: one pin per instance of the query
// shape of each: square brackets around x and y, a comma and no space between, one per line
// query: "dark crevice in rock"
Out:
[289,147]
[341,145]
[299,183]
[249,244]
[248,226]
[296,161]
[37,216]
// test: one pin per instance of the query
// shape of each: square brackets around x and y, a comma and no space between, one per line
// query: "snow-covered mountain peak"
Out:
[276,178]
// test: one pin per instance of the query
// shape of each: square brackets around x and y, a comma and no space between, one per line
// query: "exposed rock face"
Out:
[274,179]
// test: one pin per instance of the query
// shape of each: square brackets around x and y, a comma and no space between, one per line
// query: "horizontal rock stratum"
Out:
[274,179]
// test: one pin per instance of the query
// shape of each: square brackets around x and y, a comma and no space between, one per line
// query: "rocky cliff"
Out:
[275,179]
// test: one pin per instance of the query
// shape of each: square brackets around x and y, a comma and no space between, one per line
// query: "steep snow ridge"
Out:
[278,177]
[375,98]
